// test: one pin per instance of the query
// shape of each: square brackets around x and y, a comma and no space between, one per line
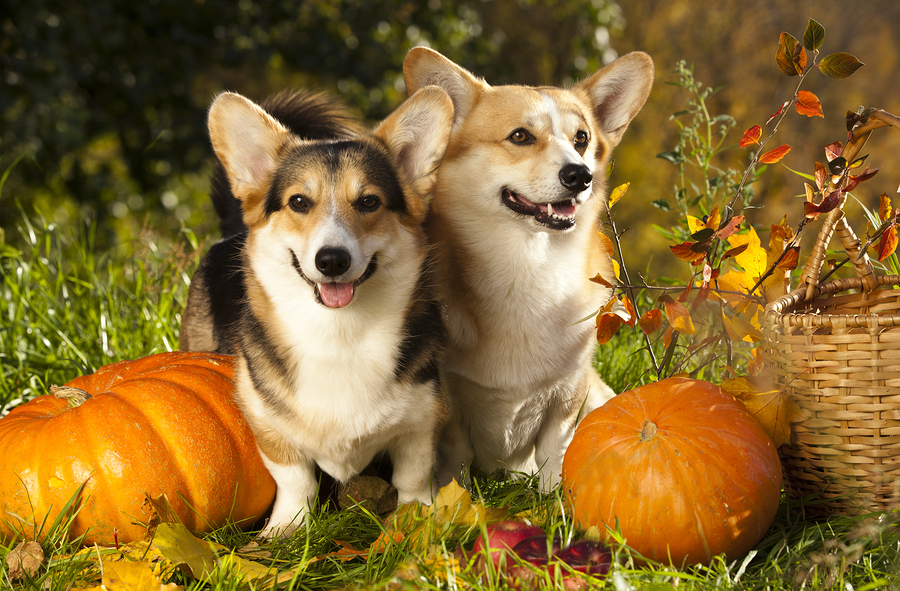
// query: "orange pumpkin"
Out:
[681,467]
[166,423]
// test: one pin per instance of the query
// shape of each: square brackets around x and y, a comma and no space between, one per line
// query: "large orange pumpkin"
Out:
[166,423]
[681,467]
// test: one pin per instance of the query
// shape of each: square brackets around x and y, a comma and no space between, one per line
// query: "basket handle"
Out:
[835,221]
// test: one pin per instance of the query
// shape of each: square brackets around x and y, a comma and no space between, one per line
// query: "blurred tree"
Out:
[108,99]
[731,44]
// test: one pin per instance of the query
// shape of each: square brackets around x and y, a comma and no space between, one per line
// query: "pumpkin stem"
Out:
[648,430]
[74,396]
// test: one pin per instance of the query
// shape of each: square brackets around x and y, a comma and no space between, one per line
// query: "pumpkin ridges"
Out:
[661,502]
[211,375]
[213,404]
[172,425]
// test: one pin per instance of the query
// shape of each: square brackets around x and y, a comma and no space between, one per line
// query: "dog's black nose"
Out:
[575,177]
[332,262]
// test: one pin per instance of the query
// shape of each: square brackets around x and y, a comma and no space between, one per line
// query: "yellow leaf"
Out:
[454,505]
[885,208]
[695,224]
[617,193]
[772,407]
[133,576]
[213,562]
[753,259]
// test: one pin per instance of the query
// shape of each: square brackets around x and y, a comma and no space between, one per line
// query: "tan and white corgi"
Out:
[324,292]
[513,223]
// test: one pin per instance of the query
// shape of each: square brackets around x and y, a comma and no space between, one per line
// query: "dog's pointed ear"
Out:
[247,141]
[426,67]
[618,92]
[416,134]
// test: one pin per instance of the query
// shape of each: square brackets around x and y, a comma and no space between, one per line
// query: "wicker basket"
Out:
[835,347]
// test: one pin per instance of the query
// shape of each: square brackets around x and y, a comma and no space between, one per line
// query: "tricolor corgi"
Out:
[323,290]
[513,223]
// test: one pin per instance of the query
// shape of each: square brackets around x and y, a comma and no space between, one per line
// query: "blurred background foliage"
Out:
[103,103]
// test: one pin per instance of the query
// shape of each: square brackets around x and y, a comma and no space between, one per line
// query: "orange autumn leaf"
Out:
[770,405]
[773,156]
[679,317]
[808,104]
[607,325]
[683,251]
[629,307]
[600,280]
[751,136]
[650,321]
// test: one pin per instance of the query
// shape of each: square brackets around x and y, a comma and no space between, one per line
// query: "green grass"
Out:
[67,310]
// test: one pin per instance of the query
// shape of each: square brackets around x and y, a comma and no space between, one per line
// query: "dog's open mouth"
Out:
[556,216]
[334,294]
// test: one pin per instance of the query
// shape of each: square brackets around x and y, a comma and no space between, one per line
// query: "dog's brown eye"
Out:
[368,203]
[520,136]
[581,138]
[299,203]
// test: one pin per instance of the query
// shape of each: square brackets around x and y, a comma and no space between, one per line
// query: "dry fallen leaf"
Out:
[24,560]
[370,493]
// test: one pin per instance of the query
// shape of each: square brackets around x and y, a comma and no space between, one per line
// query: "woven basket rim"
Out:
[783,311]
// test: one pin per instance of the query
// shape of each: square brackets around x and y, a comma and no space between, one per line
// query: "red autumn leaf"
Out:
[821,175]
[790,56]
[831,201]
[778,112]
[607,325]
[833,150]
[888,243]
[808,104]
[773,156]
[861,178]
[683,251]
[650,321]
[686,292]
[751,136]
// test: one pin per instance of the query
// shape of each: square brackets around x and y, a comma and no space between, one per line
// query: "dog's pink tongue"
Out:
[336,295]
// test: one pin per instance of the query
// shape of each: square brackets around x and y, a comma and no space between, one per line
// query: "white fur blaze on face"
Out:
[333,261]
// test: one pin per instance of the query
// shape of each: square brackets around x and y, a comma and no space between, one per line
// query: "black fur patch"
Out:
[367,157]
[264,362]
[223,274]
[426,335]
[308,116]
